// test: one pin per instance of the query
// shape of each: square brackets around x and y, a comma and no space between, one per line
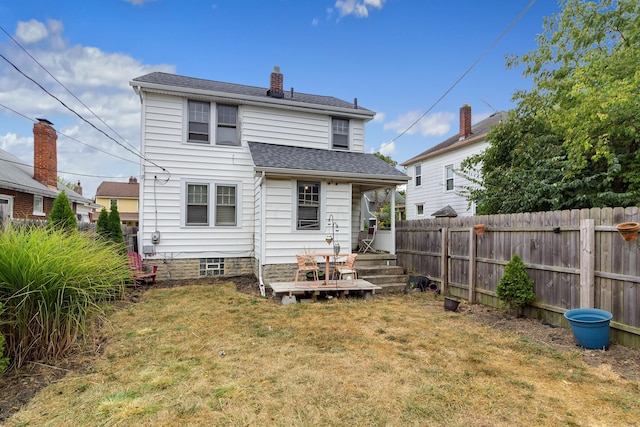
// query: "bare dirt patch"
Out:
[18,387]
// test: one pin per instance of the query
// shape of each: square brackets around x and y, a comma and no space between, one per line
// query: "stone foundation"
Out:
[180,269]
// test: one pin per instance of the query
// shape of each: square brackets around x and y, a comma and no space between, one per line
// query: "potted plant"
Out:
[628,230]
[479,229]
[515,288]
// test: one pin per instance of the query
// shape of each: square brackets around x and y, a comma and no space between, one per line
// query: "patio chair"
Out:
[346,268]
[138,273]
[306,263]
[366,242]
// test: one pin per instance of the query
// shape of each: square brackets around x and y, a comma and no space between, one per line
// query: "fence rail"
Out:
[576,259]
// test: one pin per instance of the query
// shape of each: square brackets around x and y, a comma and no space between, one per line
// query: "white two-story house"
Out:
[435,187]
[239,179]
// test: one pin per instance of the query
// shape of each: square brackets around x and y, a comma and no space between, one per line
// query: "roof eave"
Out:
[345,176]
[363,114]
[460,144]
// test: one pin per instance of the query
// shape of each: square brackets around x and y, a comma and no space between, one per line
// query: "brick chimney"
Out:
[276,85]
[45,153]
[78,188]
[465,121]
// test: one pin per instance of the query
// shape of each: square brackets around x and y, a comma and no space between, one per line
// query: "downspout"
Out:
[262,236]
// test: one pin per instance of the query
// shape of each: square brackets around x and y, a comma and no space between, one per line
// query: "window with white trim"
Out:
[420,209]
[197,209]
[38,205]
[418,171]
[6,207]
[340,133]
[227,126]
[198,122]
[448,176]
[226,205]
[308,207]
[113,203]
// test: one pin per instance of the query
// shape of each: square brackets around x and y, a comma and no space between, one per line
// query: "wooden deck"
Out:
[291,292]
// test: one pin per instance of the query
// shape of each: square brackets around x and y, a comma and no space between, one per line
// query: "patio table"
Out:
[327,262]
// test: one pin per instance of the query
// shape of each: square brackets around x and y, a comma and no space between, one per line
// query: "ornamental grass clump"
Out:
[515,288]
[53,284]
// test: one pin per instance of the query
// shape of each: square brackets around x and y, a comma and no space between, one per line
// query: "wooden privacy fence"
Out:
[576,259]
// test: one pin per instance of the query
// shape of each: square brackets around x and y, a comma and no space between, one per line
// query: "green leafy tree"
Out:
[61,215]
[102,225]
[515,288]
[579,126]
[115,226]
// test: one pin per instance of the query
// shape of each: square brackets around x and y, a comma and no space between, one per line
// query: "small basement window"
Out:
[211,267]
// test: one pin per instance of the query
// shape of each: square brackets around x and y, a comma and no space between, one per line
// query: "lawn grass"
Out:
[208,355]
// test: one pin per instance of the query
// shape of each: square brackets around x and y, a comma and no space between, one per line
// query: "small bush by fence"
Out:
[576,259]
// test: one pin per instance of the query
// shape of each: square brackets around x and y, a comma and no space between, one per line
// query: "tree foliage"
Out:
[573,141]
[102,225]
[115,226]
[61,215]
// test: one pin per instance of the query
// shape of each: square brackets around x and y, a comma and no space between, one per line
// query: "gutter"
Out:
[347,176]
[263,233]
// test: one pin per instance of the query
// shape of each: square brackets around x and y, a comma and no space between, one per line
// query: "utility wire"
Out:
[495,42]
[69,137]
[67,89]
[51,169]
[80,116]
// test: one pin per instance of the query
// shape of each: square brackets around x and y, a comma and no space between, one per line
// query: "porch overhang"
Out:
[368,180]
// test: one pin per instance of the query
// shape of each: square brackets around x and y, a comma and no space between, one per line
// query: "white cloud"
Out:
[388,148]
[379,118]
[100,79]
[31,32]
[359,8]
[432,125]
[139,2]
[315,22]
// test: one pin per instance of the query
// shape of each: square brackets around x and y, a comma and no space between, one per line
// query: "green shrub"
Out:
[102,225]
[115,226]
[515,288]
[61,215]
[53,284]
[4,362]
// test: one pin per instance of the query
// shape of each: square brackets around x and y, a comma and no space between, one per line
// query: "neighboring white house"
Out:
[435,185]
[239,179]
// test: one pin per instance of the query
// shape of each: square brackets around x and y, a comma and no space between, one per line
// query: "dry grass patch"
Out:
[208,355]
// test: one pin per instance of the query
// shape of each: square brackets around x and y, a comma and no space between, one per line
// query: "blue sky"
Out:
[398,57]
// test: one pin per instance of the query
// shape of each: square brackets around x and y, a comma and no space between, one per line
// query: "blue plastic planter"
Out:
[590,327]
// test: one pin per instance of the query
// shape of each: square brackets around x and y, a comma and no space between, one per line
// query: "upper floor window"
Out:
[227,128]
[197,204]
[308,212]
[340,133]
[113,203]
[448,175]
[418,175]
[198,122]
[226,205]
[38,205]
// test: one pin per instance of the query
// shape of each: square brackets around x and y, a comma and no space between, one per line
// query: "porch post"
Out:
[392,214]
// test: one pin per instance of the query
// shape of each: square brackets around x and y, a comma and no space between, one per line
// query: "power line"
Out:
[67,89]
[80,116]
[69,137]
[495,42]
[59,171]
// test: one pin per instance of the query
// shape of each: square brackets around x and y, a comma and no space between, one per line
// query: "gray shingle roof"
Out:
[325,162]
[183,82]
[17,176]
[479,129]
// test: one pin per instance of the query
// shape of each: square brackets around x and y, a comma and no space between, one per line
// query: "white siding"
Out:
[282,239]
[432,193]
[163,201]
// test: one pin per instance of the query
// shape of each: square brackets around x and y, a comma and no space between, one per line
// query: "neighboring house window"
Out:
[418,175]
[38,205]
[308,217]
[6,207]
[198,122]
[197,204]
[448,172]
[227,128]
[113,203]
[225,205]
[420,209]
[340,134]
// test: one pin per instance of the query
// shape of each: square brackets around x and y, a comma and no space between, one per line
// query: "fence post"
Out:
[444,259]
[472,265]
[587,263]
